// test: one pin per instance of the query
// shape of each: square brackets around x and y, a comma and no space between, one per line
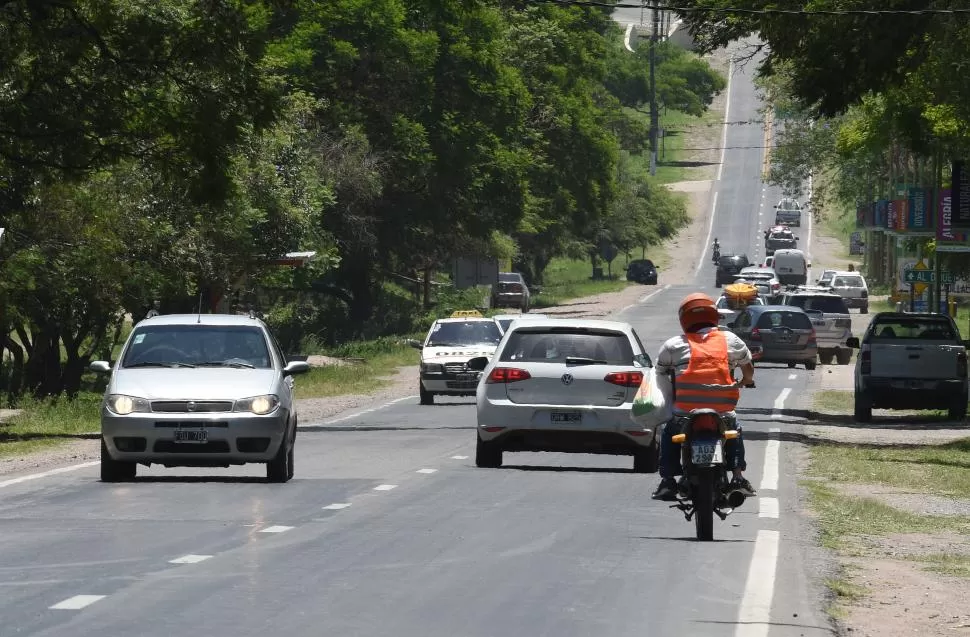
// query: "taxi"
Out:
[446,349]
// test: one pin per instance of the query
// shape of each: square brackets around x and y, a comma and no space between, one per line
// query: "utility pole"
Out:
[654,111]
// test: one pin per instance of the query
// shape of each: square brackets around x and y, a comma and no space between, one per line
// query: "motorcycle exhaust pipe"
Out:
[735,499]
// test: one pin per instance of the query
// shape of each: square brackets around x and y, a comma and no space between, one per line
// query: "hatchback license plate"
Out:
[706,452]
[566,416]
[197,436]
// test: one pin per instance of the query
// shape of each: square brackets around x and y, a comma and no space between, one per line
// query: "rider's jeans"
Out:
[670,465]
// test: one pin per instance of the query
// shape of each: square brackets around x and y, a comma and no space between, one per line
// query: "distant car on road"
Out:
[199,390]
[448,346]
[851,286]
[642,271]
[778,334]
[788,212]
[511,291]
[564,385]
[728,265]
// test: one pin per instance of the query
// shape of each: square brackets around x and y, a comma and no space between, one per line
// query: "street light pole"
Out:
[654,111]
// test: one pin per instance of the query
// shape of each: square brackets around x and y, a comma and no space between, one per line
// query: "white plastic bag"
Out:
[652,405]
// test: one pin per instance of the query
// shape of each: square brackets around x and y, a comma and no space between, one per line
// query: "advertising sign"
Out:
[918,217]
[960,208]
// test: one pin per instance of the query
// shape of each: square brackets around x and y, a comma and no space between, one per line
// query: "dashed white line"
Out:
[792,376]
[336,506]
[774,430]
[754,615]
[459,457]
[768,508]
[276,529]
[427,470]
[769,478]
[385,487]
[189,559]
[77,602]
[46,474]
[780,402]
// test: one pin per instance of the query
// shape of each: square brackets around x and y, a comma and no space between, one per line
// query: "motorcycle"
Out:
[708,492]
[717,255]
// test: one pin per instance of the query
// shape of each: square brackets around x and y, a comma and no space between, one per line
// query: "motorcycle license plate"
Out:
[706,452]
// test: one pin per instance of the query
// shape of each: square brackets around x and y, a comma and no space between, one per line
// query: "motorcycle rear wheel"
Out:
[703,497]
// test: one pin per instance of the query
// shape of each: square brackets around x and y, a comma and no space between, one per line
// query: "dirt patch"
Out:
[404,384]
[911,501]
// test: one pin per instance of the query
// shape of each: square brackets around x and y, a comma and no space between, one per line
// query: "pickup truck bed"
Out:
[911,361]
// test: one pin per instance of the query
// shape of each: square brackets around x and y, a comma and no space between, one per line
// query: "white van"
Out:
[791,266]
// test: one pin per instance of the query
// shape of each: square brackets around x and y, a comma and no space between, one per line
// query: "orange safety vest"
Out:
[707,381]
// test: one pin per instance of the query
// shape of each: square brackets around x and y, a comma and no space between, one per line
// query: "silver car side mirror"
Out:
[296,367]
[100,367]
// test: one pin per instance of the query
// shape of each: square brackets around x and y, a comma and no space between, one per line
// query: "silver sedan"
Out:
[199,390]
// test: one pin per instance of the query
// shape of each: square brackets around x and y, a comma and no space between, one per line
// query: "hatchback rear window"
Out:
[792,320]
[557,344]
[850,281]
[509,277]
[922,328]
[733,260]
[824,304]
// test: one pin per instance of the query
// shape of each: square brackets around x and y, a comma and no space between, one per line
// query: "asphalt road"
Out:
[389,529]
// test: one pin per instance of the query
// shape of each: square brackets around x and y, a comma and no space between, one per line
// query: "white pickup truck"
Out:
[910,361]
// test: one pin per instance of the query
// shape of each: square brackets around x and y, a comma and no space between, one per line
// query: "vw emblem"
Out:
[190,406]
[567,379]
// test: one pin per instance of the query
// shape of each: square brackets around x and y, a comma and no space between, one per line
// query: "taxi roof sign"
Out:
[466,314]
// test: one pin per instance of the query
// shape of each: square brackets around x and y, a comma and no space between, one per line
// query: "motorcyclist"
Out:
[702,360]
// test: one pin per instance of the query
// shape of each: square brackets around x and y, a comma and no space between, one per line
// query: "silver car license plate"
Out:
[706,452]
[566,416]
[194,436]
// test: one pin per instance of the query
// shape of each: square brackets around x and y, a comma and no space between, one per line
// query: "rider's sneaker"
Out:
[683,487]
[742,485]
[666,490]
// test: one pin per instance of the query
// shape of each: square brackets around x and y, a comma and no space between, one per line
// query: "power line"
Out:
[743,11]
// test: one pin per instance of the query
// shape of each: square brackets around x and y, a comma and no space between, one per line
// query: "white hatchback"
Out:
[563,385]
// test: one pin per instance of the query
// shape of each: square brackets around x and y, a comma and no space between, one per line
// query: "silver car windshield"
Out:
[198,346]
[465,333]
[569,345]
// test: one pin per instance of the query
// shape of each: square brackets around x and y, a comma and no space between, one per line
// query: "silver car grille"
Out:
[456,368]
[191,406]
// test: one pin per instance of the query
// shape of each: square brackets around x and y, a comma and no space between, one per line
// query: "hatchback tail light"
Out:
[515,287]
[812,338]
[625,379]
[756,334]
[866,358]
[507,375]
[865,294]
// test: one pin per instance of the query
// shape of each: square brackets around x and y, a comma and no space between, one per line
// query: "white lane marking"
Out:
[710,231]
[774,430]
[358,414]
[46,474]
[336,506]
[768,508]
[427,470]
[77,602]
[276,529]
[769,477]
[780,402]
[189,559]
[792,376]
[459,457]
[727,112]
[647,297]
[754,615]
[385,487]
[626,37]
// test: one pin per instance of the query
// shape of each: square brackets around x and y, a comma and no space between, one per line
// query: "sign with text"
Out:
[944,221]
[960,207]
[881,211]
[918,217]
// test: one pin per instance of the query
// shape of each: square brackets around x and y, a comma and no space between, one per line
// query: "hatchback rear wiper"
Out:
[239,364]
[159,364]
[579,360]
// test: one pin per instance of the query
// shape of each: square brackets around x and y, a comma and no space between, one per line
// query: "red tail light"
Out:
[962,364]
[756,334]
[705,423]
[865,294]
[515,287]
[812,337]
[866,358]
[508,375]
[625,379]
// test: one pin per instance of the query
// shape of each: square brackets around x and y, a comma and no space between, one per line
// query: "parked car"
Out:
[778,334]
[199,390]
[642,271]
[910,361]
[564,385]
[729,265]
[511,291]
[831,319]
[851,286]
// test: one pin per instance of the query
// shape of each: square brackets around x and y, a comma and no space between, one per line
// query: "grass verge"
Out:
[567,279]
[834,401]
[48,423]
[935,469]
[953,564]
[381,360]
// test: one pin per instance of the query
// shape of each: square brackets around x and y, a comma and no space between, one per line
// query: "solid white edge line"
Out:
[357,414]
[276,529]
[77,602]
[727,112]
[710,231]
[769,477]
[336,506]
[768,508]
[626,37]
[754,615]
[46,474]
[774,430]
[385,487]
[189,559]
[647,297]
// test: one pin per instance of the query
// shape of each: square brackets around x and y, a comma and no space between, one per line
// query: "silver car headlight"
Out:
[259,405]
[124,405]
[434,368]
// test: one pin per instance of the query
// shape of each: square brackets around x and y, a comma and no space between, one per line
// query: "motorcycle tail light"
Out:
[705,422]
